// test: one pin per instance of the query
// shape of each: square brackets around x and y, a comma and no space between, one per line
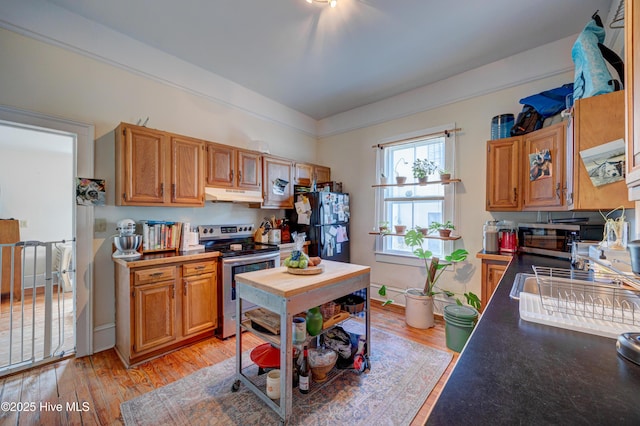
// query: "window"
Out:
[415,205]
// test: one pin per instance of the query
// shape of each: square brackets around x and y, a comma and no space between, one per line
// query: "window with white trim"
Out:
[414,205]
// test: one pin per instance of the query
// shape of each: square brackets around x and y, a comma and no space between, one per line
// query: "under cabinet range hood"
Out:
[232,195]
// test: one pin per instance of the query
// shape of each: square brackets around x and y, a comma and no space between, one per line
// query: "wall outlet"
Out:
[23,224]
[100,225]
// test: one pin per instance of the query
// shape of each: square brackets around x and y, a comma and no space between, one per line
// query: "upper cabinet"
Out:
[552,174]
[596,120]
[229,167]
[504,163]
[306,173]
[527,172]
[156,168]
[277,190]
[632,73]
[544,154]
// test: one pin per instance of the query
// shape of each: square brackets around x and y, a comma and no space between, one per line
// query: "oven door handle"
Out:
[251,258]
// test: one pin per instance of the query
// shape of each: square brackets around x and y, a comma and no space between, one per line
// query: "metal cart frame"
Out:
[287,307]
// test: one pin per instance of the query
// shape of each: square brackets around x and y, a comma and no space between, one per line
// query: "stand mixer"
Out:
[127,242]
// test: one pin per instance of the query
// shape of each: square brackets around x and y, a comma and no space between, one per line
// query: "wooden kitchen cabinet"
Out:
[164,306]
[277,170]
[305,173]
[632,91]
[154,308]
[493,267]
[187,171]
[199,297]
[156,168]
[229,167]
[545,185]
[504,164]
[596,120]
[155,315]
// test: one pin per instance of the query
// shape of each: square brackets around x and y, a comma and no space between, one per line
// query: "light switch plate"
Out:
[100,225]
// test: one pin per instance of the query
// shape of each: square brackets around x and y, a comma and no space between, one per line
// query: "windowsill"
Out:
[399,259]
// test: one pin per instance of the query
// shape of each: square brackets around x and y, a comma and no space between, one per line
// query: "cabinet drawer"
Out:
[146,276]
[198,268]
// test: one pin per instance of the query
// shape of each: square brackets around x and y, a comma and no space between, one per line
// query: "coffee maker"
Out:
[507,236]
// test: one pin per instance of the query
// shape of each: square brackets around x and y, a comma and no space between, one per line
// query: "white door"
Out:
[63,228]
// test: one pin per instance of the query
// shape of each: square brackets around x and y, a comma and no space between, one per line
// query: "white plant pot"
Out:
[418,309]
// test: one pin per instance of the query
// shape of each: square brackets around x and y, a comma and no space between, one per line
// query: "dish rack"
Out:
[591,294]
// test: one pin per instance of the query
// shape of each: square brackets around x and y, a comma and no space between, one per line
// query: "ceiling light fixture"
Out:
[332,3]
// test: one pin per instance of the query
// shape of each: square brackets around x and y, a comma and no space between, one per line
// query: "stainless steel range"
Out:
[239,253]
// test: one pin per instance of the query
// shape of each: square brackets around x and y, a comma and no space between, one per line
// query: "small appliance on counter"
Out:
[190,238]
[507,236]
[127,242]
[556,239]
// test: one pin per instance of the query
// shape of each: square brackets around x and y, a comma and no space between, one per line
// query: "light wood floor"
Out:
[22,326]
[100,382]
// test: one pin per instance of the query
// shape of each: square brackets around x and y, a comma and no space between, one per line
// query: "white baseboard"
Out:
[104,337]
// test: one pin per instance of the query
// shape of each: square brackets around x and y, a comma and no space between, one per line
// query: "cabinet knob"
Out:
[231,175]
[239,175]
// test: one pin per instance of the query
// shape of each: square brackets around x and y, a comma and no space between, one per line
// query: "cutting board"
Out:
[310,270]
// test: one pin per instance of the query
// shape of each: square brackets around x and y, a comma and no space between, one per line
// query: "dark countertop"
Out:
[517,372]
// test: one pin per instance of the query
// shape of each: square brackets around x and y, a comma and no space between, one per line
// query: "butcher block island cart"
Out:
[287,295]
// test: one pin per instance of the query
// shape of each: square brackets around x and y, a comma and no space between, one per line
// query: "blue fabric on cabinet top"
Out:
[550,102]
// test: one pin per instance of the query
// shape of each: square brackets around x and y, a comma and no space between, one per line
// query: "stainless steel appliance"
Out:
[556,239]
[238,253]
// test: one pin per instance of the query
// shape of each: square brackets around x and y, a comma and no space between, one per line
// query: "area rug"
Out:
[401,377]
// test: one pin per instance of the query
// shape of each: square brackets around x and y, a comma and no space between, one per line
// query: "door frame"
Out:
[83,157]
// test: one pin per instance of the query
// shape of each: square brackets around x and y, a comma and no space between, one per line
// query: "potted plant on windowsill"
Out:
[419,301]
[422,169]
[444,229]
[445,175]
[400,180]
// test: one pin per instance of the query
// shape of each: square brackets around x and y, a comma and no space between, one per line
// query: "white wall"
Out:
[39,77]
[473,116]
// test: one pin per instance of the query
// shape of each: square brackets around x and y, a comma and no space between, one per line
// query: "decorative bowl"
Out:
[321,361]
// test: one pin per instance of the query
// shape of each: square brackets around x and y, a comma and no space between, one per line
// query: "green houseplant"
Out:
[444,229]
[422,169]
[445,174]
[419,306]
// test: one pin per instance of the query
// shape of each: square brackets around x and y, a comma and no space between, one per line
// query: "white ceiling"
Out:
[322,61]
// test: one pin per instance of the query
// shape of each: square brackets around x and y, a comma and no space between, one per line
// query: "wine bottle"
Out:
[304,376]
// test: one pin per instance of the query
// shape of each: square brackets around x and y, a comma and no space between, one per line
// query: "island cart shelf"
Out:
[287,295]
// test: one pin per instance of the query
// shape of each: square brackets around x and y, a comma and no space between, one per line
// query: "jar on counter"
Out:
[490,241]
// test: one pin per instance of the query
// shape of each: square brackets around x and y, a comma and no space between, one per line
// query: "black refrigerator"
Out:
[324,217]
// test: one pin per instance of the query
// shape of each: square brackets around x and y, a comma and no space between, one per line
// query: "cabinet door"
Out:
[187,171]
[632,90]
[221,162]
[303,174]
[323,174]
[277,170]
[155,315]
[492,272]
[544,155]
[199,303]
[503,174]
[249,170]
[140,159]
[598,120]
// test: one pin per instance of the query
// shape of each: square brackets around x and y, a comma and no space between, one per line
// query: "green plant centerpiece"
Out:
[423,168]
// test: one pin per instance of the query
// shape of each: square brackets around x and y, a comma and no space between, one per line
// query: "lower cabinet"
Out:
[163,307]
[493,267]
